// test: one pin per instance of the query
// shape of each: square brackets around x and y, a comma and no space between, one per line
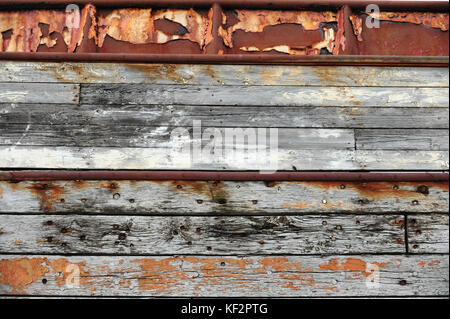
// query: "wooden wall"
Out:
[222,238]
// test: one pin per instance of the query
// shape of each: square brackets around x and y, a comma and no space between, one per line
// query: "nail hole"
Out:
[199,201]
[222,264]
[83,237]
[44,281]
[254,202]
[122,236]
[324,223]
[342,186]
[402,282]
[116,196]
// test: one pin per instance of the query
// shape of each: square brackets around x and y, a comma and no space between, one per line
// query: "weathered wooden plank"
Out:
[134,94]
[179,158]
[221,198]
[225,116]
[428,233]
[144,235]
[39,93]
[392,275]
[159,137]
[402,139]
[223,74]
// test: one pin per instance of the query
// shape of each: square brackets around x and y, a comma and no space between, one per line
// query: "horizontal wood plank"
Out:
[190,74]
[38,93]
[144,235]
[221,198]
[224,116]
[179,158]
[263,276]
[428,233]
[123,94]
[160,137]
[397,139]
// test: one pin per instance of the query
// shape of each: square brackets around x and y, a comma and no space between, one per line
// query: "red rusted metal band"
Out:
[266,4]
[45,175]
[230,59]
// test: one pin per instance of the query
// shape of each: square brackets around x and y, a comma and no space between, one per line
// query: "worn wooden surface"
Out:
[223,74]
[139,235]
[224,198]
[399,275]
[178,238]
[428,233]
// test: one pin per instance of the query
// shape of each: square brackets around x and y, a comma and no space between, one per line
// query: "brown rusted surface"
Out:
[290,32]
[54,175]
[47,194]
[402,33]
[144,26]
[221,32]
[28,31]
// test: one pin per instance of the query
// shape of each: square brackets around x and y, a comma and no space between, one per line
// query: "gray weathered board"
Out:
[221,198]
[180,238]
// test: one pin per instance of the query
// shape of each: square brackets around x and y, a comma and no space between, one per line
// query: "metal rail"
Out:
[53,175]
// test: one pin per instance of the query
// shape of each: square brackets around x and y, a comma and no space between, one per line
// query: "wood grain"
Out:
[39,93]
[144,235]
[112,116]
[190,74]
[135,94]
[428,233]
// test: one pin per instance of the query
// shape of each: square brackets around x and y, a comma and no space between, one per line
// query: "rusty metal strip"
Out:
[254,4]
[52,175]
[365,60]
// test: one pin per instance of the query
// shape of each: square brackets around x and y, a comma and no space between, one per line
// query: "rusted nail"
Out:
[182,228]
[269,183]
[113,186]
[324,223]
[83,200]
[414,221]
[49,239]
[339,227]
[64,230]
[189,243]
[254,202]
[198,230]
[278,247]
[342,186]
[199,201]
[115,226]
[131,245]
[358,222]
[222,264]
[402,282]
[179,187]
[261,242]
[395,187]
[418,232]
[122,236]
[209,248]
[62,200]
[49,223]
[423,189]
[83,237]
[63,245]
[116,243]
[416,246]
[415,202]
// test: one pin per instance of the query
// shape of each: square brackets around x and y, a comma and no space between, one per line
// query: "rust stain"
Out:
[433,20]
[434,262]
[18,273]
[357,26]
[340,35]
[47,193]
[137,26]
[161,71]
[17,242]
[255,21]
[26,29]
[1,193]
